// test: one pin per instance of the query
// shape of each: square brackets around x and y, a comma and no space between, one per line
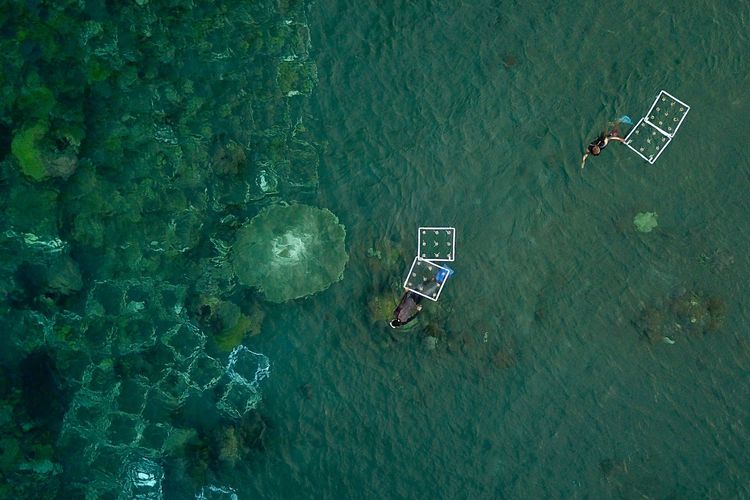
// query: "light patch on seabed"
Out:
[290,248]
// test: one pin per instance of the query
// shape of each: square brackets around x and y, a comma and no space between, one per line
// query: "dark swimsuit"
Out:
[407,309]
[601,141]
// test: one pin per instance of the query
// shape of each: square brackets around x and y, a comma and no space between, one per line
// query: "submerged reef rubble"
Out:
[384,261]
[684,314]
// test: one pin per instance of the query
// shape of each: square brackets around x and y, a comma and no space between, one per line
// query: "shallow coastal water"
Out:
[541,380]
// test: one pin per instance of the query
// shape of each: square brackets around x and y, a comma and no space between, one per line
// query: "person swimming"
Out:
[596,146]
[407,309]
[409,306]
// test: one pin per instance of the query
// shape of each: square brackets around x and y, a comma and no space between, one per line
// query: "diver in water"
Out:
[407,309]
[409,306]
[596,146]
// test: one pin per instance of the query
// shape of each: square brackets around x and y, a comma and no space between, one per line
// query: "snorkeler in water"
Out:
[596,146]
[409,306]
[407,309]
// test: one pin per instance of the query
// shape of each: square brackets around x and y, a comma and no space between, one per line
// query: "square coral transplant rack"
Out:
[426,277]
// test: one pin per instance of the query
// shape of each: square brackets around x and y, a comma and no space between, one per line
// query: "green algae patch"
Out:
[37,101]
[381,307]
[25,147]
[235,325]
[295,78]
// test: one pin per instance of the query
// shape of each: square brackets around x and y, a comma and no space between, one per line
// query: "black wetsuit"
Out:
[407,309]
[599,141]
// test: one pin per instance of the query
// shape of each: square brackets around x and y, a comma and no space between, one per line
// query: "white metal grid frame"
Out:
[658,128]
[426,251]
[419,271]
[640,140]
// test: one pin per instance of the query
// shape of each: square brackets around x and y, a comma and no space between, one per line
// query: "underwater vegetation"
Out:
[229,323]
[38,160]
[381,307]
[150,131]
[386,263]
[216,449]
[686,313]
[138,141]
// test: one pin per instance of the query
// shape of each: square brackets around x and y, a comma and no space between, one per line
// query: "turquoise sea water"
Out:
[550,376]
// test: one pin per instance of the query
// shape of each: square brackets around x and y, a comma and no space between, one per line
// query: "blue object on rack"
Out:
[443,274]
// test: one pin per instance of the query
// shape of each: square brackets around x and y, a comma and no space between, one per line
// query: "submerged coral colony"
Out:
[149,150]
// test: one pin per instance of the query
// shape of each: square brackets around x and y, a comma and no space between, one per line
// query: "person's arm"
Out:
[583,161]
[613,138]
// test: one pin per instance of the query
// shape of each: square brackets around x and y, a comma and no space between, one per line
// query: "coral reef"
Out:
[289,252]
[229,158]
[221,445]
[135,138]
[381,307]
[26,149]
[687,313]
[228,322]
[645,222]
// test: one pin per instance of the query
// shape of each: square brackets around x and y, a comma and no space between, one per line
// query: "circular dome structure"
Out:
[289,252]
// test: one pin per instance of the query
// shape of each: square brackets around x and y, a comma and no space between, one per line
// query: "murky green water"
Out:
[574,355]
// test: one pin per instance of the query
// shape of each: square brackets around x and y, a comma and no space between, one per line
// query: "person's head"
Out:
[595,150]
